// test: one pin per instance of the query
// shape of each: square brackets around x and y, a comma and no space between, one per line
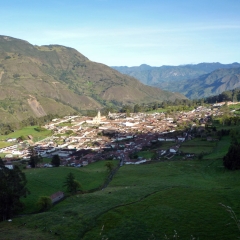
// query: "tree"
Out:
[137,108]
[34,158]
[71,184]
[12,188]
[109,166]
[44,203]
[231,160]
[55,160]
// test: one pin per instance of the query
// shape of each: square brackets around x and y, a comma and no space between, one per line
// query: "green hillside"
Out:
[142,202]
[38,80]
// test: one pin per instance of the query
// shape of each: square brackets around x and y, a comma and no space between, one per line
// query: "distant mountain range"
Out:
[194,81]
[37,80]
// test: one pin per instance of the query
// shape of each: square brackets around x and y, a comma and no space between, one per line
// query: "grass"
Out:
[5,144]
[168,197]
[146,154]
[167,145]
[197,146]
[46,181]
[8,230]
[64,124]
[143,202]
[221,149]
[28,131]
[234,107]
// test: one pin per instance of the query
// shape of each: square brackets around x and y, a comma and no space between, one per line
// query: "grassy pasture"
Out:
[167,145]
[46,181]
[28,131]
[144,201]
[146,154]
[197,146]
[5,144]
[64,124]
[220,149]
[10,231]
[234,107]
[181,196]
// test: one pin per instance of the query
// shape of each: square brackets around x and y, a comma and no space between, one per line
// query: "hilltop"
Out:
[38,80]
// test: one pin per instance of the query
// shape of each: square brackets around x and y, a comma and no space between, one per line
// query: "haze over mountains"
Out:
[194,81]
[37,80]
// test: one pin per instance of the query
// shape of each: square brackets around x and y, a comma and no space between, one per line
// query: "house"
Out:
[30,137]
[170,139]
[9,166]
[57,196]
[181,139]
[11,140]
[173,150]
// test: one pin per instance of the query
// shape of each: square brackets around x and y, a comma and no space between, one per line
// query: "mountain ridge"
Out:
[172,78]
[62,80]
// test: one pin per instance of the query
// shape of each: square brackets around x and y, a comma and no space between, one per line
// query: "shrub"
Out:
[44,203]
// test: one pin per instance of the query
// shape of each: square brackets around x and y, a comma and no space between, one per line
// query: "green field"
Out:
[234,107]
[64,124]
[37,136]
[146,154]
[5,144]
[197,146]
[141,202]
[46,181]
[167,145]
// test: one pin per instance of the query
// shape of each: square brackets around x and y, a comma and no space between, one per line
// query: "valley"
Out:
[142,161]
[171,179]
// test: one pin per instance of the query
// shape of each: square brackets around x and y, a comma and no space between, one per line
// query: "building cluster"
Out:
[80,140]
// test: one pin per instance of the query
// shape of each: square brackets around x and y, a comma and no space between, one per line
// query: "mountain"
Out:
[172,77]
[210,84]
[37,80]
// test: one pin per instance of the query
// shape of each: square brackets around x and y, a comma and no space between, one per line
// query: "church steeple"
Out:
[99,115]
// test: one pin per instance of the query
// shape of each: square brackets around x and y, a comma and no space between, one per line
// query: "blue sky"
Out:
[133,32]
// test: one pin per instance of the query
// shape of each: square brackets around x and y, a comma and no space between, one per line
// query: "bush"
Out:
[231,160]
[44,203]
[39,129]
[16,75]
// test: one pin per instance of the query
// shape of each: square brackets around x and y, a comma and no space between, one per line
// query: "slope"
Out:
[211,84]
[37,80]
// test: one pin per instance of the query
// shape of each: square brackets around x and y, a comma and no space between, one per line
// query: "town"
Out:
[80,140]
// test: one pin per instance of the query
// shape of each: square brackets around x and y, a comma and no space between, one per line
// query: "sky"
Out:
[130,32]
